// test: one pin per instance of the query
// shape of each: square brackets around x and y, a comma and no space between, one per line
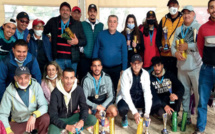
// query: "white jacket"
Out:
[126,83]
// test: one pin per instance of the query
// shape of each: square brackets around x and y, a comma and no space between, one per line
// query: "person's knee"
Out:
[123,110]
[45,119]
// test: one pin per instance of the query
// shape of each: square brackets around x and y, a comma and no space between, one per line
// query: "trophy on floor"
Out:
[140,125]
[96,128]
[165,31]
[103,115]
[147,123]
[135,40]
[128,32]
[164,131]
[169,86]
[112,125]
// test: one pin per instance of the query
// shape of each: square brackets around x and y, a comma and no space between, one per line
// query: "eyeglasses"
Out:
[26,22]
[39,27]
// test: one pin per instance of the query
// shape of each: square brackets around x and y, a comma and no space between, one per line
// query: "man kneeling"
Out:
[25,101]
[135,91]
[65,99]
[98,89]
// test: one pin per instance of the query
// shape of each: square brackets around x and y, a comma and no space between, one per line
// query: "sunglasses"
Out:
[26,22]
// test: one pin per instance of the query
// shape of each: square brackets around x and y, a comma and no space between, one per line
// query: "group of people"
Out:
[53,84]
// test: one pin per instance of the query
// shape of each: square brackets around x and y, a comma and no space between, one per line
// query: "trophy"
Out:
[164,131]
[147,123]
[69,32]
[195,35]
[135,40]
[165,31]
[112,125]
[103,115]
[184,121]
[174,122]
[169,86]
[140,125]
[96,128]
[128,31]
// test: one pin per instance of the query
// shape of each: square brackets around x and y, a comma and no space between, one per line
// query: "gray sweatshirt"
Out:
[193,60]
[105,90]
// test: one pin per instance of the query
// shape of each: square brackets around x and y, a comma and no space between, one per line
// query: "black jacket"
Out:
[76,27]
[57,108]
[161,93]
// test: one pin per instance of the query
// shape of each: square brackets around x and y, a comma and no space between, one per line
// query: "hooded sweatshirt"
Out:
[63,104]
[105,90]
[193,60]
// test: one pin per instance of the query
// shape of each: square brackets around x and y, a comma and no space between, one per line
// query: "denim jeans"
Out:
[206,82]
[67,63]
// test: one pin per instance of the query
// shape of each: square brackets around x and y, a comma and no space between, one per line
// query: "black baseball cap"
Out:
[172,1]
[22,15]
[136,57]
[92,6]
[65,4]
[22,70]
[150,13]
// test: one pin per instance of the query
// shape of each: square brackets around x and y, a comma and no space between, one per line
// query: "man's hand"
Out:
[79,124]
[28,38]
[164,51]
[173,97]
[183,47]
[74,41]
[70,128]
[100,108]
[179,56]
[137,118]
[30,124]
[128,42]
[168,110]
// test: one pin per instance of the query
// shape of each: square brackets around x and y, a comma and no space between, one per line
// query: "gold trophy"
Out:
[164,131]
[147,123]
[96,128]
[140,126]
[69,32]
[135,40]
[103,115]
[181,41]
[112,125]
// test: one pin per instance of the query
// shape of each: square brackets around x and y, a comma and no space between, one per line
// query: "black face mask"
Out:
[151,22]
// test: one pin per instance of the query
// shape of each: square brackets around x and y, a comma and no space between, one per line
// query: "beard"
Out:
[97,74]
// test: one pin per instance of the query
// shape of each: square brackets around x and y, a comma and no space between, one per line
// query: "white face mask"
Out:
[38,32]
[173,10]
[51,78]
[22,87]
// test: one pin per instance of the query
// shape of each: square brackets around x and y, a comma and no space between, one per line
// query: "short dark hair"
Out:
[20,42]
[68,70]
[156,60]
[95,59]
[65,4]
[210,2]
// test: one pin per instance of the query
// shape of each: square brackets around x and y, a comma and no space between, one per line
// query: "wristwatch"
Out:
[34,115]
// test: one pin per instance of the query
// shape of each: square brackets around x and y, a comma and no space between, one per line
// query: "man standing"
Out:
[65,99]
[98,90]
[111,48]
[189,66]
[19,56]
[25,100]
[170,21]
[6,37]
[22,32]
[76,13]
[135,91]
[167,90]
[91,27]
[39,44]
[206,47]
[65,52]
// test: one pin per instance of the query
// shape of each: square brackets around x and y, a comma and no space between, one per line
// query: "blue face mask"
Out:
[130,26]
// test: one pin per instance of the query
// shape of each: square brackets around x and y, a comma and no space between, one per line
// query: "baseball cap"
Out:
[12,21]
[189,8]
[37,21]
[136,57]
[150,13]
[76,8]
[172,1]
[22,70]
[92,6]
[22,15]
[65,4]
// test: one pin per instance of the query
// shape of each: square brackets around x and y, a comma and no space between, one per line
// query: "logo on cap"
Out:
[23,68]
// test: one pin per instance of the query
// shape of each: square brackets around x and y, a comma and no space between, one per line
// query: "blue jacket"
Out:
[26,32]
[32,47]
[8,66]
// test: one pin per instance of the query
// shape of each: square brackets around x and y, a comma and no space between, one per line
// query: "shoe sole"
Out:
[125,127]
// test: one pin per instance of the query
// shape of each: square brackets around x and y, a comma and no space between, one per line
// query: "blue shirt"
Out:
[111,49]
[20,35]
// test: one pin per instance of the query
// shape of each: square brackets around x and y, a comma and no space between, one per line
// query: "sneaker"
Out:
[198,132]
[125,122]
[188,122]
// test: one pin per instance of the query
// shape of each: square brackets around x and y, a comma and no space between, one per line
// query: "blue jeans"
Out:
[67,63]
[206,82]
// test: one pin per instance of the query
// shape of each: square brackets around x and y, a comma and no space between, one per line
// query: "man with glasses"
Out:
[39,44]
[135,91]
[22,32]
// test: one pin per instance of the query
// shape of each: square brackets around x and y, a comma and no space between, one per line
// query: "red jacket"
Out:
[150,51]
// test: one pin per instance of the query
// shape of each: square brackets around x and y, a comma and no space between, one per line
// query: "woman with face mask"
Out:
[39,44]
[149,30]
[52,74]
[133,36]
